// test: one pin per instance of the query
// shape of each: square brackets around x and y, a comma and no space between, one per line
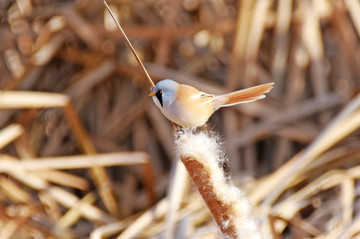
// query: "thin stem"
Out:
[129,44]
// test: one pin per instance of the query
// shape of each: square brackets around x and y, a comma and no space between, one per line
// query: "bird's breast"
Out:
[188,112]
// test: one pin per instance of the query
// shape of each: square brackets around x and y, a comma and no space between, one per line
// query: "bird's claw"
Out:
[179,130]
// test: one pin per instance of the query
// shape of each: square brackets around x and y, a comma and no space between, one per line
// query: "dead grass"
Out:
[82,144]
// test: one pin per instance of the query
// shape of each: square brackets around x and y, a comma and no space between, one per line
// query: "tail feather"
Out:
[243,96]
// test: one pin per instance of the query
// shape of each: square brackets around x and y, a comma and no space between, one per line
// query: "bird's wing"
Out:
[205,97]
[242,96]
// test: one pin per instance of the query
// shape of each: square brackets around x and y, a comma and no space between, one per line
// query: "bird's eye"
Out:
[159,96]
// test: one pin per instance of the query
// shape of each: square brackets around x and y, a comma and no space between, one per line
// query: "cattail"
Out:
[201,153]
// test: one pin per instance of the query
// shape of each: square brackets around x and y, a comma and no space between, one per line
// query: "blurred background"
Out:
[295,153]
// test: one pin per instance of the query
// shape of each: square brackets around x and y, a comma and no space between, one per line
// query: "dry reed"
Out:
[72,93]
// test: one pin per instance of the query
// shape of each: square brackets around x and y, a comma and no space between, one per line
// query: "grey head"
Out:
[165,93]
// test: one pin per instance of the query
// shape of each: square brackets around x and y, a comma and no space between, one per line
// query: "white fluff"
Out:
[206,148]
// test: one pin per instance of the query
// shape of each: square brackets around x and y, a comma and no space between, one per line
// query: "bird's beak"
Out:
[152,94]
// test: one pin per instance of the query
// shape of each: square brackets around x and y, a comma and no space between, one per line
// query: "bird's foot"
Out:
[179,131]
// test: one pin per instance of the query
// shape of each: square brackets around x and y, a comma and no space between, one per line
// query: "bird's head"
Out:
[164,92]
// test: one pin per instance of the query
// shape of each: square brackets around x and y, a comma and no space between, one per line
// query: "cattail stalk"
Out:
[203,158]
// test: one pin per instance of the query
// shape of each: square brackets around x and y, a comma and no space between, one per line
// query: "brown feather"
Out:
[242,96]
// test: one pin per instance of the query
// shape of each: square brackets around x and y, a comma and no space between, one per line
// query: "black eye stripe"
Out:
[159,96]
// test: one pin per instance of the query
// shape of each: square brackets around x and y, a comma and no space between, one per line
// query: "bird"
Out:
[189,107]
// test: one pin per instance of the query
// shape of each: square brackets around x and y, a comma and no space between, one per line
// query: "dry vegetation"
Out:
[92,155]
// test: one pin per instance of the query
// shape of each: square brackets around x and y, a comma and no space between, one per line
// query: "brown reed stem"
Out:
[221,211]
[201,154]
[130,46]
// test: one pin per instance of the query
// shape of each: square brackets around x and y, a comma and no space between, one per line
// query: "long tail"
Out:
[243,96]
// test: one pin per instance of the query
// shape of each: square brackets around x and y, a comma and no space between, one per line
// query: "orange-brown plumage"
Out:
[188,107]
[243,96]
[250,94]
